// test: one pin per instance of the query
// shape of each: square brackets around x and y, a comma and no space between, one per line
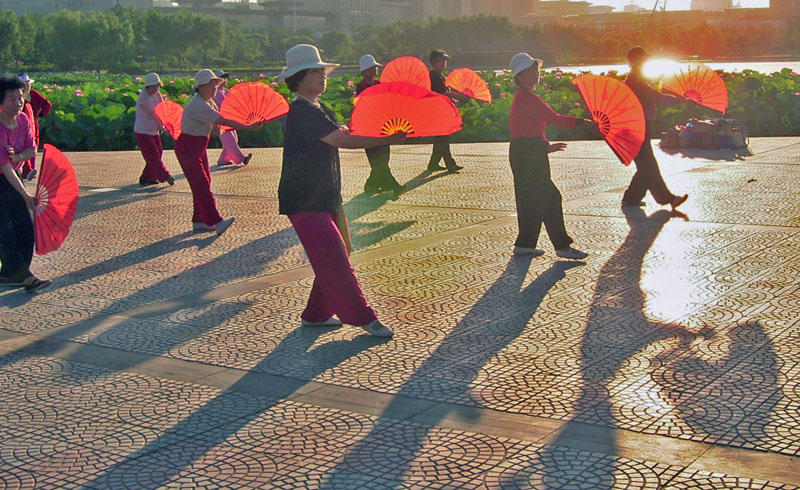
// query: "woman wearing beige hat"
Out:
[380,176]
[310,193]
[537,198]
[201,117]
[146,129]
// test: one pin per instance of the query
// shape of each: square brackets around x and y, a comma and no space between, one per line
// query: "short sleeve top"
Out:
[530,115]
[438,82]
[311,177]
[19,138]
[145,122]
[364,85]
[199,116]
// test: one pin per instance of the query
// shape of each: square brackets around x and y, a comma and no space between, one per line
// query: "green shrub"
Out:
[93,111]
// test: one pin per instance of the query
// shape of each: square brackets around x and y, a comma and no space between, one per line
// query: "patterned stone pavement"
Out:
[669,359]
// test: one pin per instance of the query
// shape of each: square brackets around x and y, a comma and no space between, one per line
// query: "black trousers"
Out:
[647,178]
[380,176]
[16,233]
[538,199]
[441,149]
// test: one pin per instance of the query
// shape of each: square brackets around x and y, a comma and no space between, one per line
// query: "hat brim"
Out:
[373,65]
[529,63]
[150,84]
[288,72]
[223,74]
[215,79]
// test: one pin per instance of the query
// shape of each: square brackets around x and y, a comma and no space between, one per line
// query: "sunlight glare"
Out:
[656,68]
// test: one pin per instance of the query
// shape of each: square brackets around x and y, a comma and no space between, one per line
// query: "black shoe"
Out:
[247,159]
[36,285]
[171,180]
[454,168]
[143,182]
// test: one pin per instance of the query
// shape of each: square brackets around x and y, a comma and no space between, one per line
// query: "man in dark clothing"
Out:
[647,176]
[441,144]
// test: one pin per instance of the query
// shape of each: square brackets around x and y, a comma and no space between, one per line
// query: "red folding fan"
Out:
[56,201]
[170,114]
[617,111]
[407,69]
[251,103]
[698,82]
[469,83]
[388,108]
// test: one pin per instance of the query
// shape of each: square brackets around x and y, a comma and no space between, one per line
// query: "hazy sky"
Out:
[674,4]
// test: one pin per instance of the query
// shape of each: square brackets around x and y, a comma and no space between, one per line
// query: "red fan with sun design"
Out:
[617,112]
[698,82]
[170,114]
[56,201]
[251,103]
[407,69]
[469,83]
[388,108]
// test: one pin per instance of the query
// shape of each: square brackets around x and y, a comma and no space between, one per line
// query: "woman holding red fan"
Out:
[310,193]
[146,129]
[201,117]
[16,227]
[231,153]
[648,176]
[380,176]
[538,200]
[441,144]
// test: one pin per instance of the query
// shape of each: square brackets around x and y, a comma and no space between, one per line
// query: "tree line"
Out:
[134,41]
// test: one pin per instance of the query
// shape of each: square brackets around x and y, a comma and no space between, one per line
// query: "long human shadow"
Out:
[368,234]
[219,419]
[617,329]
[497,318]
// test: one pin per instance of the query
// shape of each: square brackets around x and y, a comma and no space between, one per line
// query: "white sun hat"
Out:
[523,61]
[151,79]
[303,57]
[205,76]
[366,62]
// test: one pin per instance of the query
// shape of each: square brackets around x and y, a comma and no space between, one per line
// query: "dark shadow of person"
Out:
[617,332]
[492,323]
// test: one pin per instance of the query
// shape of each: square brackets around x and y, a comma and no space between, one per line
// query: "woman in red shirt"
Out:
[538,200]
[36,106]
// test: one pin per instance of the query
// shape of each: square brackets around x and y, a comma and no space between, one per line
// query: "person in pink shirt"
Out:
[36,105]
[537,197]
[146,129]
[231,153]
[16,226]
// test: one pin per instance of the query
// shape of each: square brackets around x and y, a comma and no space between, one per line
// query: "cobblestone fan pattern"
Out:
[677,326]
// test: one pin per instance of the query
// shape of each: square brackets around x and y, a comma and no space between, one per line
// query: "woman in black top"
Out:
[380,176]
[441,144]
[310,194]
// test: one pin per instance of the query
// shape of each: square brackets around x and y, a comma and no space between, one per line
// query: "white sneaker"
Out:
[202,227]
[571,253]
[330,322]
[528,251]
[223,225]
[378,329]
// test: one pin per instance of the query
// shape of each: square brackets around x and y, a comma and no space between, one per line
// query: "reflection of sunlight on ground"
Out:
[670,290]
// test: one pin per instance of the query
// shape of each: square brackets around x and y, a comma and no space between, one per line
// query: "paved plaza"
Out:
[669,359]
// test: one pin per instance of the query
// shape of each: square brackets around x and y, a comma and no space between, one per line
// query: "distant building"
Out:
[49,6]
[633,8]
[791,7]
[711,4]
